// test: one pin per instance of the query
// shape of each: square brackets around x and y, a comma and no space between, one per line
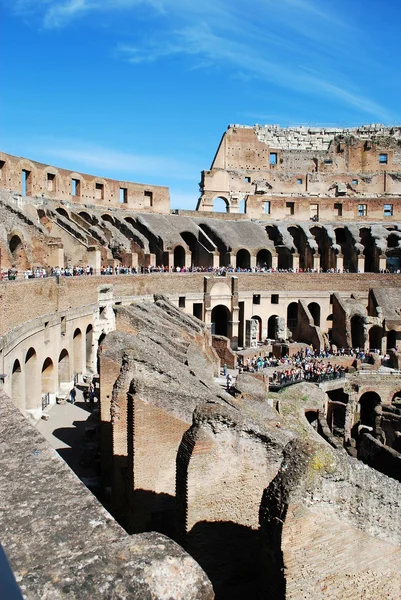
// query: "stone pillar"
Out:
[340,262]
[295,261]
[94,259]
[274,261]
[234,313]
[134,260]
[207,286]
[150,259]
[229,258]
[382,262]
[253,261]
[188,259]
[361,263]
[55,257]
[216,260]
[316,262]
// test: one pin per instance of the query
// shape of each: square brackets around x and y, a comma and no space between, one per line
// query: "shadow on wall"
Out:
[152,512]
[230,555]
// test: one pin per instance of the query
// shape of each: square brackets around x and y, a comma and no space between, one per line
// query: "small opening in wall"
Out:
[123,195]
[338,209]
[256,298]
[247,179]
[99,191]
[299,181]
[383,159]
[26,183]
[275,298]
[75,187]
[266,208]
[149,195]
[291,208]
[2,168]
[273,158]
[51,182]
[181,301]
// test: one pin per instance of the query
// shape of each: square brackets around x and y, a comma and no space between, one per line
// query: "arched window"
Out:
[220,320]
[243,259]
[314,310]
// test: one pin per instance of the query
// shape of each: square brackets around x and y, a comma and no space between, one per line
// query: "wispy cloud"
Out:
[81,155]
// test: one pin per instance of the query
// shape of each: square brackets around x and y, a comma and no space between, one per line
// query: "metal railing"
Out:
[311,379]
[45,400]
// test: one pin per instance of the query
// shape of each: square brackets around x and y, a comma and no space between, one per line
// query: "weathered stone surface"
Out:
[61,543]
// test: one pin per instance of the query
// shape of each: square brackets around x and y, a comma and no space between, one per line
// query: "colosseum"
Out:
[243,369]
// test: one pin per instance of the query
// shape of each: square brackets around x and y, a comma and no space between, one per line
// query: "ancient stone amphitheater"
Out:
[288,491]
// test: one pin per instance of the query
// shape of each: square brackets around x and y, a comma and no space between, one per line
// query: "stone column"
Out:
[253,261]
[361,263]
[95,259]
[188,259]
[274,261]
[382,262]
[340,262]
[295,261]
[216,260]
[316,261]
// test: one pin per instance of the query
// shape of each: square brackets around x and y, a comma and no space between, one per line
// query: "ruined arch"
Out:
[17,386]
[303,249]
[345,240]
[314,309]
[370,250]
[243,259]
[18,252]
[272,327]
[375,338]
[62,212]
[273,234]
[64,373]
[357,332]
[108,219]
[264,258]
[84,215]
[222,247]
[179,257]
[221,204]
[221,320]
[199,253]
[368,402]
[327,255]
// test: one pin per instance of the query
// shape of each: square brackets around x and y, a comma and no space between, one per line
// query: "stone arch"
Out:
[86,216]
[48,377]
[89,347]
[200,256]
[370,250]
[301,244]
[243,259]
[327,256]
[391,339]
[221,317]
[272,327]
[292,316]
[259,320]
[375,338]
[17,386]
[64,372]
[108,218]
[345,240]
[273,234]
[77,351]
[368,402]
[32,386]
[221,204]
[314,309]
[357,332]
[393,395]
[179,257]
[18,252]
[62,212]
[264,258]
[222,247]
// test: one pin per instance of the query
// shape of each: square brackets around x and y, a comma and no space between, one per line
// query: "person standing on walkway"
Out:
[73,394]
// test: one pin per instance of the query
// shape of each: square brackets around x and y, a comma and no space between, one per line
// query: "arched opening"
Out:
[370,252]
[336,411]
[243,259]
[89,348]
[303,249]
[273,234]
[324,243]
[48,377]
[264,259]
[375,338]
[179,257]
[17,386]
[62,212]
[108,219]
[292,316]
[85,216]
[201,253]
[357,332]
[220,204]
[219,243]
[391,339]
[285,258]
[18,253]
[272,327]
[64,374]
[32,387]
[259,321]
[345,240]
[314,310]
[368,402]
[221,320]
[77,351]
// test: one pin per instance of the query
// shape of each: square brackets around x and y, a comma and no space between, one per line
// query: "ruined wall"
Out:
[302,166]
[61,184]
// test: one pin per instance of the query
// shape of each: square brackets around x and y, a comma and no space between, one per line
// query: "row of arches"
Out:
[32,378]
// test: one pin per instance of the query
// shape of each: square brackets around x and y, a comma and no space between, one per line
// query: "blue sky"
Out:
[142,90]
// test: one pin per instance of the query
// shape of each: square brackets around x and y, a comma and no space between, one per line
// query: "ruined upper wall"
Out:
[269,163]
[30,178]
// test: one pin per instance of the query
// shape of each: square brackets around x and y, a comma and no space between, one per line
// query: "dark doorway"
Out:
[357,332]
[220,320]
[179,257]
